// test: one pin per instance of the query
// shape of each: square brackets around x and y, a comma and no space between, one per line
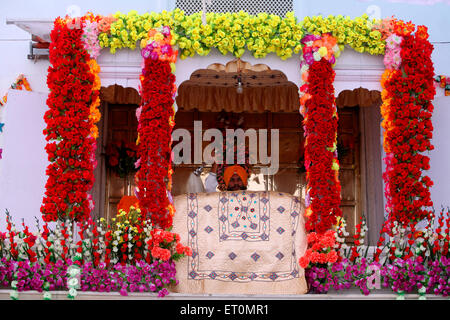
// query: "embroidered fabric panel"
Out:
[242,244]
[244,216]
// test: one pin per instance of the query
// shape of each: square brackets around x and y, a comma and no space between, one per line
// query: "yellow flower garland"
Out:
[236,32]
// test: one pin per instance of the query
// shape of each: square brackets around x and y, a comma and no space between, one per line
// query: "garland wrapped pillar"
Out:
[408,90]
[320,125]
[70,121]
[155,124]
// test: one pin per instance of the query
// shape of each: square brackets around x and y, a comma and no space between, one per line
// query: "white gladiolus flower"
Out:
[73,282]
[14,284]
[14,295]
[115,243]
[73,292]
[115,249]
[47,295]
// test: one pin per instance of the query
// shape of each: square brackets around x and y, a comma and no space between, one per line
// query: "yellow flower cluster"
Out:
[357,33]
[126,223]
[236,32]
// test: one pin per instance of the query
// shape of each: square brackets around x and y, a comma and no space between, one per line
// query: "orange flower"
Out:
[422,32]
[402,28]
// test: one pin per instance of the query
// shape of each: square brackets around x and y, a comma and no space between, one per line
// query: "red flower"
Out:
[71,91]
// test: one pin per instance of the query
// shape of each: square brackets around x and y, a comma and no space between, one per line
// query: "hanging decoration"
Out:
[318,108]
[444,82]
[408,90]
[74,85]
[21,83]
[236,33]
[155,123]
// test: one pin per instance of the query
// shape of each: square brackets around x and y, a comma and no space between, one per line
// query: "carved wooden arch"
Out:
[361,97]
[116,94]
[215,89]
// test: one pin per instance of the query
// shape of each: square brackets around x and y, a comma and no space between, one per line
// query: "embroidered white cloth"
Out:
[243,243]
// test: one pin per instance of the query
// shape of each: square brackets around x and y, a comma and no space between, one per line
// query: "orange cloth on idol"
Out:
[126,202]
[232,170]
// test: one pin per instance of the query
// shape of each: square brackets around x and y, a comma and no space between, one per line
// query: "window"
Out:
[277,7]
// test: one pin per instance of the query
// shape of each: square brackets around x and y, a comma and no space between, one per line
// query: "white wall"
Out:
[440,156]
[22,169]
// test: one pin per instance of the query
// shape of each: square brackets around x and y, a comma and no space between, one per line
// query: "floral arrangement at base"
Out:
[128,255]
[410,261]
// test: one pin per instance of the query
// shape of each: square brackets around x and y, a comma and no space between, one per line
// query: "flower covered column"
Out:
[155,123]
[70,132]
[320,126]
[408,90]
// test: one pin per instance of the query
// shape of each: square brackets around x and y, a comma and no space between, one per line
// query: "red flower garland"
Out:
[321,122]
[70,146]
[407,111]
[155,132]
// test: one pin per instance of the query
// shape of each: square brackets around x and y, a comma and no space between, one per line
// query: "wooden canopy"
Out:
[215,89]
[358,97]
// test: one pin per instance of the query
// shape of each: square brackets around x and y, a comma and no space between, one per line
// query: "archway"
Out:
[360,173]
[118,123]
[268,100]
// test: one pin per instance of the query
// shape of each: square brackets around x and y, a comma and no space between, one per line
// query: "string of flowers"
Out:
[320,126]
[407,109]
[21,83]
[71,145]
[260,34]
[155,123]
[444,82]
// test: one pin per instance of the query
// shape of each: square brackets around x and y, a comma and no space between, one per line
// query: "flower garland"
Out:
[73,84]
[155,124]
[408,90]
[320,127]
[444,82]
[235,32]
[20,84]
